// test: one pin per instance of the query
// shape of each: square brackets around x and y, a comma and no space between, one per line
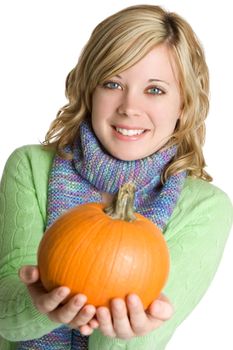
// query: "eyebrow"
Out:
[150,80]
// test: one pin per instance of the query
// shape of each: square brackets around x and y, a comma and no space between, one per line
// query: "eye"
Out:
[111,85]
[154,90]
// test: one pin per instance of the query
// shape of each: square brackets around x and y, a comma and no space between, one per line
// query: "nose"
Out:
[130,105]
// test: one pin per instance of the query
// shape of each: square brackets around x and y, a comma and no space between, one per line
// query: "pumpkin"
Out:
[105,252]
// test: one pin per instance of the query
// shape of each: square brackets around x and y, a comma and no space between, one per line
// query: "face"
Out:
[134,113]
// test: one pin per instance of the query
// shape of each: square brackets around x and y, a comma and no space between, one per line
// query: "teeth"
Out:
[127,132]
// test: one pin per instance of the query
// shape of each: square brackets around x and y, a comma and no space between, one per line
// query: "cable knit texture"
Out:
[196,235]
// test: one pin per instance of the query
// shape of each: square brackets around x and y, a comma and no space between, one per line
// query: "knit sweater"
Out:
[196,235]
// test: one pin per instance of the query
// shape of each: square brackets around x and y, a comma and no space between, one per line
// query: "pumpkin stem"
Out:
[122,204]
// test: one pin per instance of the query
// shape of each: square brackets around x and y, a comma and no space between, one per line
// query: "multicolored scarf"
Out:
[83,179]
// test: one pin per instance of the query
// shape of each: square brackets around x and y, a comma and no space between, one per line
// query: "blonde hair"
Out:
[117,43]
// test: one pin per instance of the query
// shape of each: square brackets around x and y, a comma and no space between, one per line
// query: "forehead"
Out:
[158,63]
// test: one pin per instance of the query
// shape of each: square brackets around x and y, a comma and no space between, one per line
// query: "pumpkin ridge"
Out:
[94,256]
[132,252]
[113,257]
[146,266]
[80,256]
[135,256]
[65,267]
[48,259]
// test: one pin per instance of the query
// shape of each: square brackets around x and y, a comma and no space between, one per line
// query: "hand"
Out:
[73,313]
[128,319]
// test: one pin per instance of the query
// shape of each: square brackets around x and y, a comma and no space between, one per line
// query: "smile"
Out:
[129,134]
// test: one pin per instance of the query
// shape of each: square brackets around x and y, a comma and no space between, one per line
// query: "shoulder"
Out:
[198,191]
[31,152]
[30,158]
[25,176]
[201,204]
[29,165]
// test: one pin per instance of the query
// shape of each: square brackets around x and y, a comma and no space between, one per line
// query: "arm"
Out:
[196,236]
[22,223]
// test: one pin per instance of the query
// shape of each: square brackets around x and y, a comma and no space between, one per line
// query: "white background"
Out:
[40,43]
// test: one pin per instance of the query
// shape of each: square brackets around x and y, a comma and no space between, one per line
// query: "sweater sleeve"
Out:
[21,227]
[196,236]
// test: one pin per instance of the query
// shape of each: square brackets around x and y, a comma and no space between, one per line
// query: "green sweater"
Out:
[196,235]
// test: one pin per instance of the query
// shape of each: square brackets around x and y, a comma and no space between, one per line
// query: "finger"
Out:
[86,330]
[29,274]
[83,317]
[67,312]
[105,321]
[138,317]
[47,302]
[161,309]
[163,297]
[121,322]
[93,323]
[36,290]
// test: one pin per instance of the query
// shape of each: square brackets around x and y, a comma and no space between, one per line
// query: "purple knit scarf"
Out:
[83,179]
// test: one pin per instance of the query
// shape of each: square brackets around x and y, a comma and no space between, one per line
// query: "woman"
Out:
[143,68]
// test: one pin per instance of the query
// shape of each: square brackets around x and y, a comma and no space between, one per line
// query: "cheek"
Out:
[96,105]
[102,105]
[165,113]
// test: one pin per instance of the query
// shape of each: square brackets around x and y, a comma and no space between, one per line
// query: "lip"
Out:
[121,126]
[128,138]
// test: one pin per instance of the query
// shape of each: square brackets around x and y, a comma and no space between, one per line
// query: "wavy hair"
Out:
[117,43]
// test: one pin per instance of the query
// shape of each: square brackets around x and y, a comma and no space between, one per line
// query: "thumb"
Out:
[161,308]
[29,274]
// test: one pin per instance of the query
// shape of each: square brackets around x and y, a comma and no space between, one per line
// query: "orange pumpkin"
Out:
[105,252]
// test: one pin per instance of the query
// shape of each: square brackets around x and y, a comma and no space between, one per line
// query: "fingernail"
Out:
[63,292]
[26,273]
[133,300]
[158,306]
[80,300]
